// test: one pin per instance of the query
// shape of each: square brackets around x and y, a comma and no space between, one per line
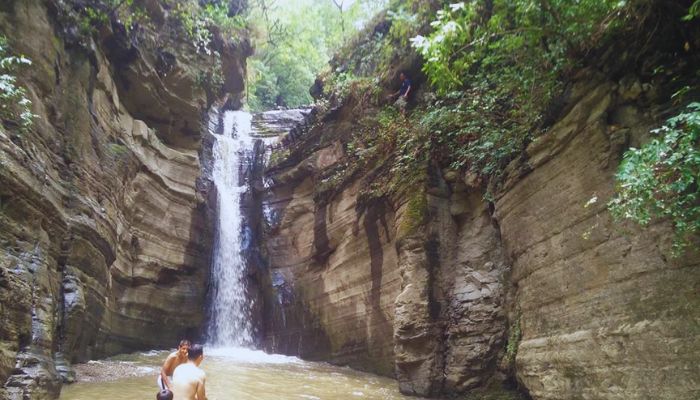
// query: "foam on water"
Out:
[152,353]
[245,355]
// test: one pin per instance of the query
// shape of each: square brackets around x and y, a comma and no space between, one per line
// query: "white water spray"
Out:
[229,309]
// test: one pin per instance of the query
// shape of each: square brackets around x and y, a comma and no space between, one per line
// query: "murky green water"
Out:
[233,374]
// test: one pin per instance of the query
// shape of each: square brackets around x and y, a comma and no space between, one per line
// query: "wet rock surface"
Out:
[331,290]
[280,122]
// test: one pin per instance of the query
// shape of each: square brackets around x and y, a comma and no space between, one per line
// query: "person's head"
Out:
[164,394]
[183,347]
[195,353]
[402,75]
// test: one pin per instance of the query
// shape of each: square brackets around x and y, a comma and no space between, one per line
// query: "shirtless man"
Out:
[173,361]
[188,378]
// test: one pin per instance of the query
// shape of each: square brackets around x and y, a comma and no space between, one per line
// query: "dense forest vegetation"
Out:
[495,70]
[513,58]
[294,41]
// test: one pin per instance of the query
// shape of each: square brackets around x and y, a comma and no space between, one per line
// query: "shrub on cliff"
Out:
[199,22]
[497,65]
[15,107]
[494,68]
[95,13]
[517,44]
[662,178]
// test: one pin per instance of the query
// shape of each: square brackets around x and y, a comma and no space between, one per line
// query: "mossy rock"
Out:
[416,214]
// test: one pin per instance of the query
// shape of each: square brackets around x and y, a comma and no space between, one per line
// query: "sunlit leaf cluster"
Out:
[474,36]
[15,107]
[97,13]
[198,22]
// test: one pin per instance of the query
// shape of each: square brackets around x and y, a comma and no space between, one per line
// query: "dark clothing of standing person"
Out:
[403,93]
[405,87]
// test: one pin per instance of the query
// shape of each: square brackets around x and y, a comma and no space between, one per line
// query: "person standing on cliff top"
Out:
[188,378]
[175,359]
[403,93]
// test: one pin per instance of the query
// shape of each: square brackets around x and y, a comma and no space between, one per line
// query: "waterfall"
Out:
[229,310]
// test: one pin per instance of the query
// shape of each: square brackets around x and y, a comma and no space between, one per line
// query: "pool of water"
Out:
[239,374]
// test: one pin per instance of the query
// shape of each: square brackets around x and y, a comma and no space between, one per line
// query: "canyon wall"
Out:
[333,288]
[536,287]
[104,223]
[605,310]
[411,286]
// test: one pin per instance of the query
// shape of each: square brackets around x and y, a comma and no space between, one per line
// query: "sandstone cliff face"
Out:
[103,221]
[410,286]
[333,270]
[430,285]
[605,311]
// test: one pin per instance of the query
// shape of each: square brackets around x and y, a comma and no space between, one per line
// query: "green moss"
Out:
[117,150]
[278,156]
[330,183]
[56,43]
[416,214]
[513,341]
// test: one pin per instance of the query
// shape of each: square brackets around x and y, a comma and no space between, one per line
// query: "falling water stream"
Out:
[229,312]
[234,370]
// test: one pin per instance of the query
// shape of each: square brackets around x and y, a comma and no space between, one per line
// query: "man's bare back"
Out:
[188,379]
[188,382]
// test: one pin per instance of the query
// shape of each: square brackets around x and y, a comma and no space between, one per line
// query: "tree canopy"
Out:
[294,39]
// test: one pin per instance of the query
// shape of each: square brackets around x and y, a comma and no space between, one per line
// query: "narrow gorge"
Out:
[144,205]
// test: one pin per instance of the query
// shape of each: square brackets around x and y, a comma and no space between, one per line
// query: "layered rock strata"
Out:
[450,293]
[411,287]
[103,219]
[605,310]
